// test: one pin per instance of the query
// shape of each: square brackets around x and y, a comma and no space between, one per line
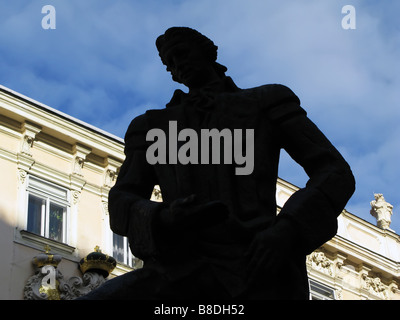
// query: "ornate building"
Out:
[55,237]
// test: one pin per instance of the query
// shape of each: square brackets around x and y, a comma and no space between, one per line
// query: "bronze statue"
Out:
[216,235]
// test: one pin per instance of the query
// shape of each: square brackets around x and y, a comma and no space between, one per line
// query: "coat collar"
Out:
[225,85]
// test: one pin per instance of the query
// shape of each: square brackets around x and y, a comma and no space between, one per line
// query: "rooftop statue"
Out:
[382,211]
[216,234]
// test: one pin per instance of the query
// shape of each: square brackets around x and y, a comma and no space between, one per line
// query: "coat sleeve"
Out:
[313,210]
[131,212]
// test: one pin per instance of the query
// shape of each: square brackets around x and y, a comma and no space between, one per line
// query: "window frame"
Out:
[50,193]
[325,292]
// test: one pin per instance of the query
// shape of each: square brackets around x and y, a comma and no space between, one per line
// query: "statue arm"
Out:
[309,217]
[131,212]
[312,211]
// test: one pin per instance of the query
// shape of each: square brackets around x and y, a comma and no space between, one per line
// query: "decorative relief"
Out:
[393,286]
[339,294]
[360,280]
[37,287]
[317,260]
[111,171]
[375,286]
[104,204]
[43,284]
[48,282]
[109,178]
[80,152]
[76,287]
[76,194]
[22,174]
[30,132]
[78,166]
[77,184]
[27,144]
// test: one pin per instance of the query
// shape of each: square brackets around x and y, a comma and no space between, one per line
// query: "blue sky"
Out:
[101,66]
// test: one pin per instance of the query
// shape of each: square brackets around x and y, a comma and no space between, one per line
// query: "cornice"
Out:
[20,108]
[359,254]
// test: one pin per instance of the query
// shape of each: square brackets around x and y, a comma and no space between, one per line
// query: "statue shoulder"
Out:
[274,94]
[277,100]
[137,127]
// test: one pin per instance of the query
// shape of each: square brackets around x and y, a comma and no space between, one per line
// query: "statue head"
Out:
[189,56]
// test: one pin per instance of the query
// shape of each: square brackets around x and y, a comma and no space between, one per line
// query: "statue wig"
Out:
[175,35]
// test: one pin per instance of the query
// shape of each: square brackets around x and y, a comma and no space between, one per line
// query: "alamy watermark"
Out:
[349,20]
[190,145]
[49,20]
[49,280]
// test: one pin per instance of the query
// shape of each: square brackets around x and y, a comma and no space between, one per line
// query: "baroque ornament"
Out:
[320,262]
[78,165]
[27,144]
[48,282]
[375,286]
[75,196]
[109,178]
[22,174]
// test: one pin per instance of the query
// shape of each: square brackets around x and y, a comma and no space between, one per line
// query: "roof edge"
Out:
[60,114]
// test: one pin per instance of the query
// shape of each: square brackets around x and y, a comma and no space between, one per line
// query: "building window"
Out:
[121,251]
[319,291]
[47,209]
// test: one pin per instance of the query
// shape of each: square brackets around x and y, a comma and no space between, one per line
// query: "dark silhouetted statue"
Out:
[217,235]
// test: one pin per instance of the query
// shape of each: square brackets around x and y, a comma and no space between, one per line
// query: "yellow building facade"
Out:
[56,172]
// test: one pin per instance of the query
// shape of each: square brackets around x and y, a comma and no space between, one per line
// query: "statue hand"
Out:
[269,248]
[186,214]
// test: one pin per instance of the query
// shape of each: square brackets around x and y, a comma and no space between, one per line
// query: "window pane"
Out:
[35,207]
[132,260]
[321,292]
[118,247]
[56,221]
